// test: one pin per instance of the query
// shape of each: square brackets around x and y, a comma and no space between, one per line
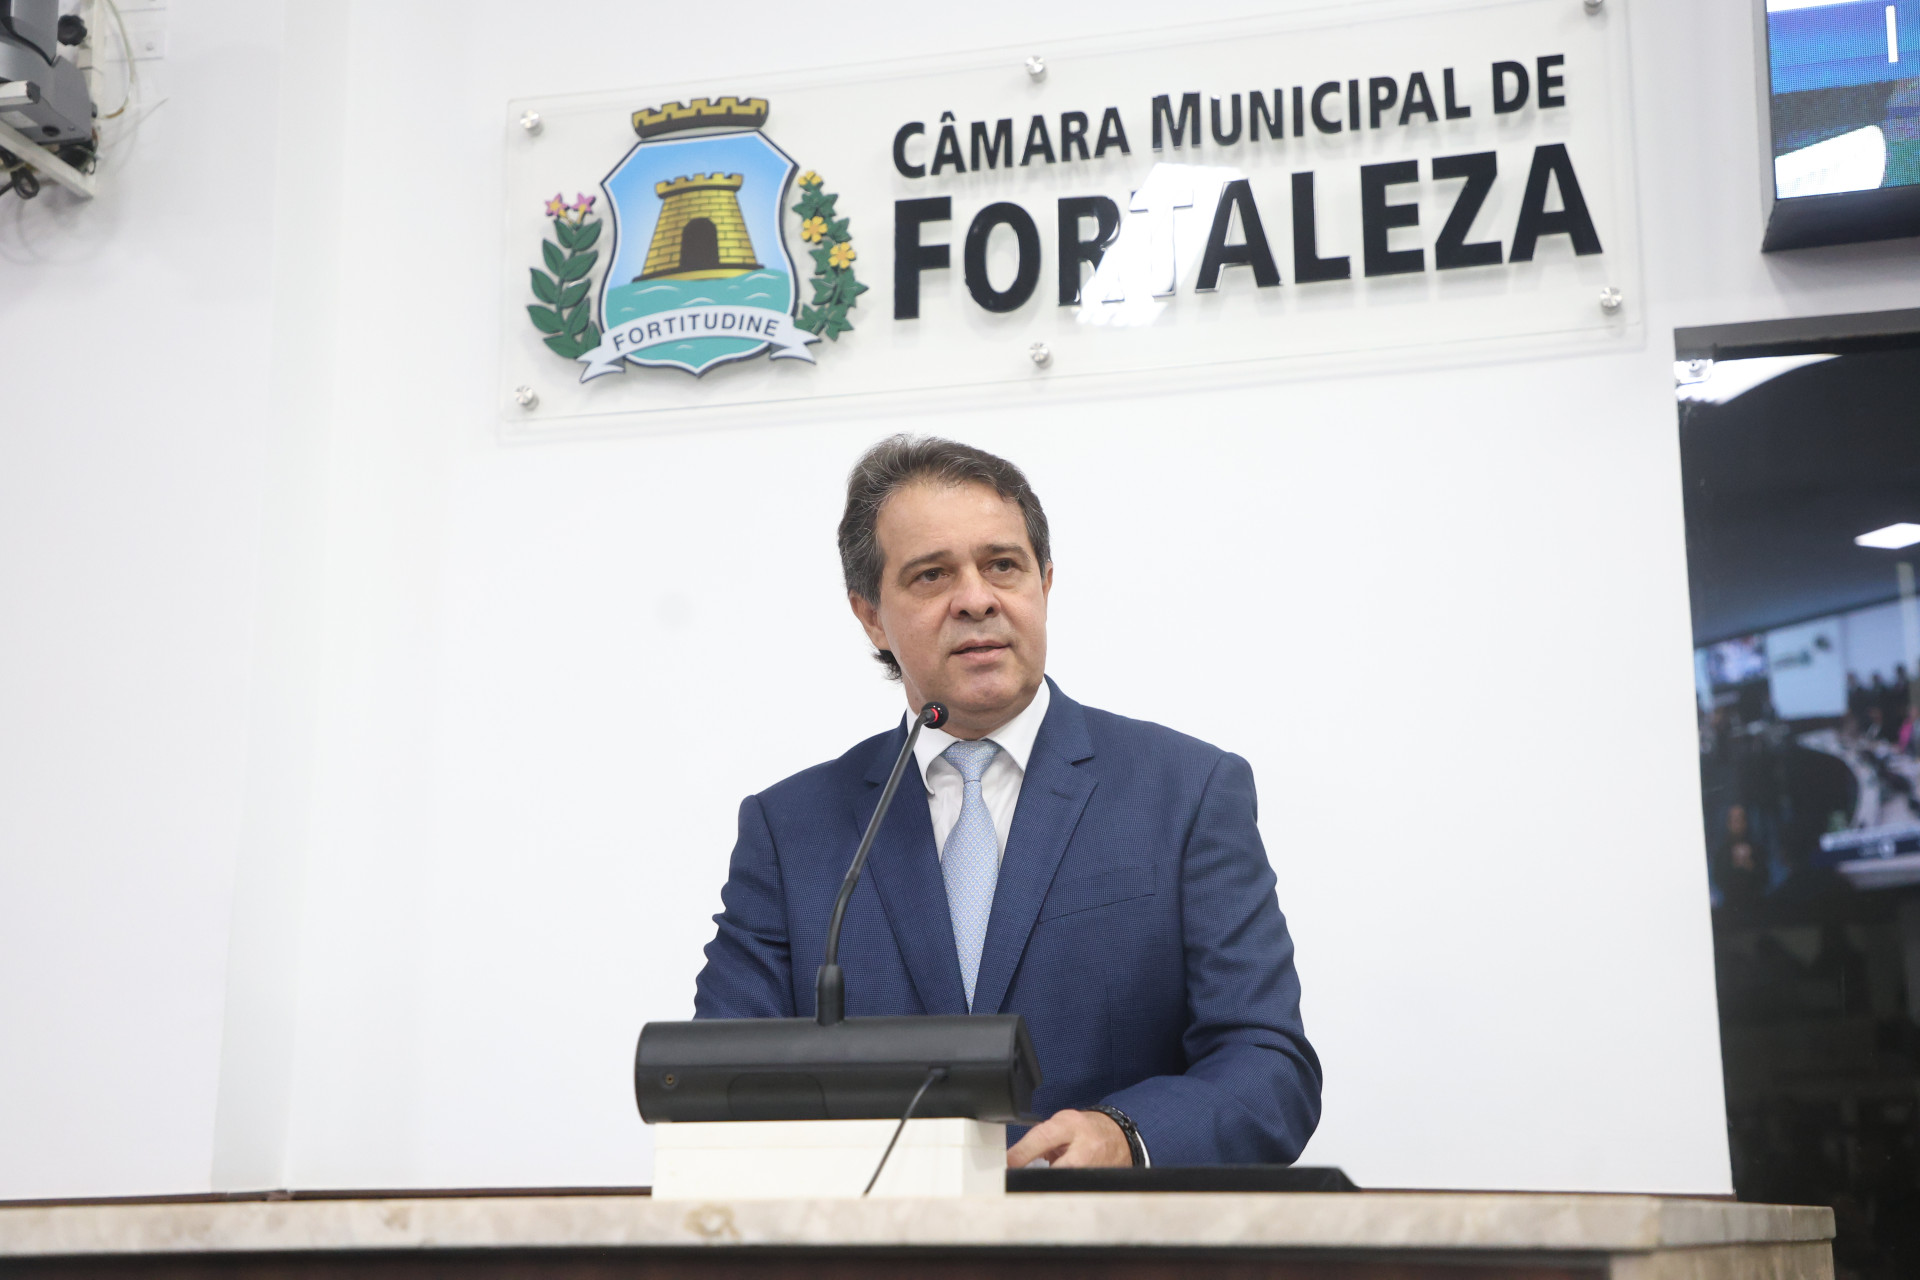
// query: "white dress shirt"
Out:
[999,786]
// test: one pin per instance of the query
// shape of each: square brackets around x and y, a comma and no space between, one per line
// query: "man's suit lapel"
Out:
[1052,796]
[905,866]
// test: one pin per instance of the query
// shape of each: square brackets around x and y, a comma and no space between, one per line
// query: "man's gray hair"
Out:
[901,460]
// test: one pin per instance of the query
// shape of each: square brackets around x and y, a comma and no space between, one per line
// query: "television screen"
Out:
[1846,95]
[1735,662]
[1844,98]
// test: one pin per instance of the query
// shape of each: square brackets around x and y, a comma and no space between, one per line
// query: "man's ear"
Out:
[869,615]
[1046,583]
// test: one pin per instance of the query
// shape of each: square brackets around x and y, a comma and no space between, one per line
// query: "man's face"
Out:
[963,605]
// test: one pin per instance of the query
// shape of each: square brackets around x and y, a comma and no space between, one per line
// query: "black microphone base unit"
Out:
[856,1069]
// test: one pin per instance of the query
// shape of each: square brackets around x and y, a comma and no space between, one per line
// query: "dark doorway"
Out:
[1801,463]
[699,245]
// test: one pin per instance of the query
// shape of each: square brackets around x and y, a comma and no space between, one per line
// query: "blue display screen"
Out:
[1845,94]
[1831,46]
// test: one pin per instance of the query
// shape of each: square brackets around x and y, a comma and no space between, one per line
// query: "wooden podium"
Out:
[1068,1236]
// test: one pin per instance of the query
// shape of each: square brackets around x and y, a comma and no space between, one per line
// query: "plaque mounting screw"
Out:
[526,397]
[1610,300]
[1037,67]
[1039,354]
[530,121]
[1592,6]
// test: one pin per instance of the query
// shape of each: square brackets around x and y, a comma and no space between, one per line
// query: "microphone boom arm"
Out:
[829,986]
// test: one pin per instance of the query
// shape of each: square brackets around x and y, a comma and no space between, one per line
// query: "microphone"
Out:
[829,984]
[832,1067]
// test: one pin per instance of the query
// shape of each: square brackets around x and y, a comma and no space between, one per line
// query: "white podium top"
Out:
[1369,1220]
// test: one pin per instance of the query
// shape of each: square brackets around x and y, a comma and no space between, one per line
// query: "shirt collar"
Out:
[1015,738]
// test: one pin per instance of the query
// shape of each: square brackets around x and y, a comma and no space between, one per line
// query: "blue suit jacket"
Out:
[1134,927]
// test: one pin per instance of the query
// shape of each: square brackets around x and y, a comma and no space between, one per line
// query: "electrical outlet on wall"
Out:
[145,22]
[146,32]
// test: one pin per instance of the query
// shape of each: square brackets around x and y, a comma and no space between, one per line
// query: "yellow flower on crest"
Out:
[813,228]
[841,255]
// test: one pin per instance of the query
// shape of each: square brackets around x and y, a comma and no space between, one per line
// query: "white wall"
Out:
[1880,640]
[472,728]
[134,335]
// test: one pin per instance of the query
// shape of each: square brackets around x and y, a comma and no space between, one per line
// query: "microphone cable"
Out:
[933,1074]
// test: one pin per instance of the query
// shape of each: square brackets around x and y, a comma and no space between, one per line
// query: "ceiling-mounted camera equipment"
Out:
[43,96]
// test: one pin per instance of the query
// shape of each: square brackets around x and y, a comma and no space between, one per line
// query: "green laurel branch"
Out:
[567,317]
[835,288]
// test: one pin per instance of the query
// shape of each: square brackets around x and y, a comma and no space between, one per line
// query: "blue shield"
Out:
[697,223]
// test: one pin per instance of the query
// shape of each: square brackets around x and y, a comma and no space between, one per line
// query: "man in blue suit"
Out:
[1100,876]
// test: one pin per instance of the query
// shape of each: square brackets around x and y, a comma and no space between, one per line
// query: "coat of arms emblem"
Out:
[698,272]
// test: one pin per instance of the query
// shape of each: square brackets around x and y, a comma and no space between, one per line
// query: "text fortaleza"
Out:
[1330,108]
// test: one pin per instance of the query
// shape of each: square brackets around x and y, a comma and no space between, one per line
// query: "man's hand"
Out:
[1073,1140]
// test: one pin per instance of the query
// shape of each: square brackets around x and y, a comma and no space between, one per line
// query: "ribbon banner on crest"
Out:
[637,337]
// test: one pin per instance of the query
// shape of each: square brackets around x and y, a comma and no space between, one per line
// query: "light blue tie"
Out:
[970,862]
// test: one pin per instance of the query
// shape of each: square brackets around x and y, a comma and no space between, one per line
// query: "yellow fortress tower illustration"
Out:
[700,235]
